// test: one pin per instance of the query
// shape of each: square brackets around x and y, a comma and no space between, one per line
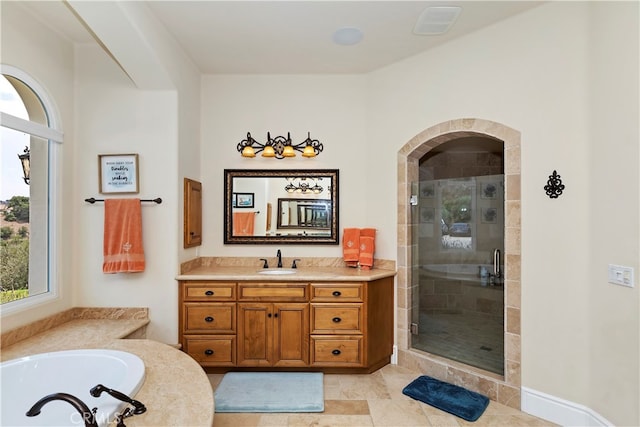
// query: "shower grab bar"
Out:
[496,264]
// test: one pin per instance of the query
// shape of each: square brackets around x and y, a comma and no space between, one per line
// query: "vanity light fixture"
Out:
[303,185]
[279,147]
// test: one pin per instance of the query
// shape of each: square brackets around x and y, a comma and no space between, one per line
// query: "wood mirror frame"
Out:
[260,191]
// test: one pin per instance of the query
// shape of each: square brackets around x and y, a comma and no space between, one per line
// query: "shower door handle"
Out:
[496,264]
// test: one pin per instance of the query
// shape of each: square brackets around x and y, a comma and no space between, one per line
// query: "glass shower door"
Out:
[458,273]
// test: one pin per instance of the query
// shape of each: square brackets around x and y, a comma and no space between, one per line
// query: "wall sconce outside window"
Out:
[279,147]
[303,185]
[25,160]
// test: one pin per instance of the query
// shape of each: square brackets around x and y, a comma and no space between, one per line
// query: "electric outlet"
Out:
[621,275]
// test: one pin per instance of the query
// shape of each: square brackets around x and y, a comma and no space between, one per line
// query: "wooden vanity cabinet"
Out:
[273,326]
[352,324]
[207,314]
[325,326]
[273,334]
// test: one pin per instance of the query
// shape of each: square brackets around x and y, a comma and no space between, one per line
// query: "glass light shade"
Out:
[308,151]
[288,151]
[268,151]
[248,152]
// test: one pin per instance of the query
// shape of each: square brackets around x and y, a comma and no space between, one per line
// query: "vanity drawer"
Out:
[218,351]
[209,318]
[346,318]
[336,351]
[209,291]
[289,292]
[332,292]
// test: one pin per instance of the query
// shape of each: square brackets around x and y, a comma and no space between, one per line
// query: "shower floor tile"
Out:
[466,338]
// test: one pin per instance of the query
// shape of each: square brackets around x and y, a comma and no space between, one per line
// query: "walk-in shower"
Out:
[458,225]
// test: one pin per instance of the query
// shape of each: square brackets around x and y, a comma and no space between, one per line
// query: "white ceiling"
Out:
[295,37]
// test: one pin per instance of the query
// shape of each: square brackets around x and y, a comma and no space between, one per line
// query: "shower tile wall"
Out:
[439,296]
[458,165]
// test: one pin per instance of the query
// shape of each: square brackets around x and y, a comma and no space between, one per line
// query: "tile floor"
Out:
[464,337]
[373,400]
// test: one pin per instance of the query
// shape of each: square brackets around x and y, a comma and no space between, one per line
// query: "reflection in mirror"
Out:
[306,204]
[304,213]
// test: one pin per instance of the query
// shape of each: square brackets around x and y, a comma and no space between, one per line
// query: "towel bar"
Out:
[92,200]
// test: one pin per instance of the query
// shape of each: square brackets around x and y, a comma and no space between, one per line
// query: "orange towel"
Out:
[367,247]
[122,246]
[243,223]
[351,246]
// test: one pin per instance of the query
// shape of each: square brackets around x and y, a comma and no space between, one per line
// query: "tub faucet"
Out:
[139,407]
[279,255]
[88,415]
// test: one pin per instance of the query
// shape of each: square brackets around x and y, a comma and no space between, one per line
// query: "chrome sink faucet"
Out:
[279,255]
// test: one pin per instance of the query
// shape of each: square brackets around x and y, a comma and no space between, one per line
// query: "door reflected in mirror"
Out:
[306,204]
[304,213]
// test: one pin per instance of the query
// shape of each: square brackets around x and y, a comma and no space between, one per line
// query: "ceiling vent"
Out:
[436,20]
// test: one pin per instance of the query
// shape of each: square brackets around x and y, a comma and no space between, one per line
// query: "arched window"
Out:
[29,183]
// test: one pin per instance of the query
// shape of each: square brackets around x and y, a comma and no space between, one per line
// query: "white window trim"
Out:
[32,128]
[52,133]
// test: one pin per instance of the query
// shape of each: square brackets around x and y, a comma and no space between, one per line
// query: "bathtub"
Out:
[465,272]
[26,380]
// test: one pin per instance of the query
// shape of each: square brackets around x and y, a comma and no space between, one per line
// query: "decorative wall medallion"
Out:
[554,186]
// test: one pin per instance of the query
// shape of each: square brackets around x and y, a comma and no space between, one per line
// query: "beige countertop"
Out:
[176,391]
[315,274]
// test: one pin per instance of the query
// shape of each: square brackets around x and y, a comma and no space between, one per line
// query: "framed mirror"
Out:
[281,206]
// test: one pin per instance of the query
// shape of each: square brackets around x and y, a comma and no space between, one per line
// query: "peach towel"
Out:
[122,246]
[243,223]
[367,247]
[351,246]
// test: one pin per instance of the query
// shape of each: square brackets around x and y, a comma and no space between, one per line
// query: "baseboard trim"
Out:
[559,411]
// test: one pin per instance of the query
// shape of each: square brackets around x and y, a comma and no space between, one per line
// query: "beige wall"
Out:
[332,108]
[614,225]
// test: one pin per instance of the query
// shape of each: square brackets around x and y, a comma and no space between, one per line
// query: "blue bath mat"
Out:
[270,392]
[450,398]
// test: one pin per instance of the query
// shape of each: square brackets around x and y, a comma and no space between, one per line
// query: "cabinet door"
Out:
[291,334]
[255,334]
[192,213]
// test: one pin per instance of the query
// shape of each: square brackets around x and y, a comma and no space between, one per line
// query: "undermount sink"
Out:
[277,272]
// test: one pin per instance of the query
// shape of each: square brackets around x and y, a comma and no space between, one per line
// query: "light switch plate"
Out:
[621,275]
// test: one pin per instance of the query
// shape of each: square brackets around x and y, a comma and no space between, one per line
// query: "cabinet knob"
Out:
[336,352]
[208,352]
[209,293]
[268,314]
[208,319]
[336,320]
[336,293]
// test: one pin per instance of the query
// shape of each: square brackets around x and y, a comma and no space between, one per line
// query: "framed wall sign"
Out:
[244,200]
[118,173]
